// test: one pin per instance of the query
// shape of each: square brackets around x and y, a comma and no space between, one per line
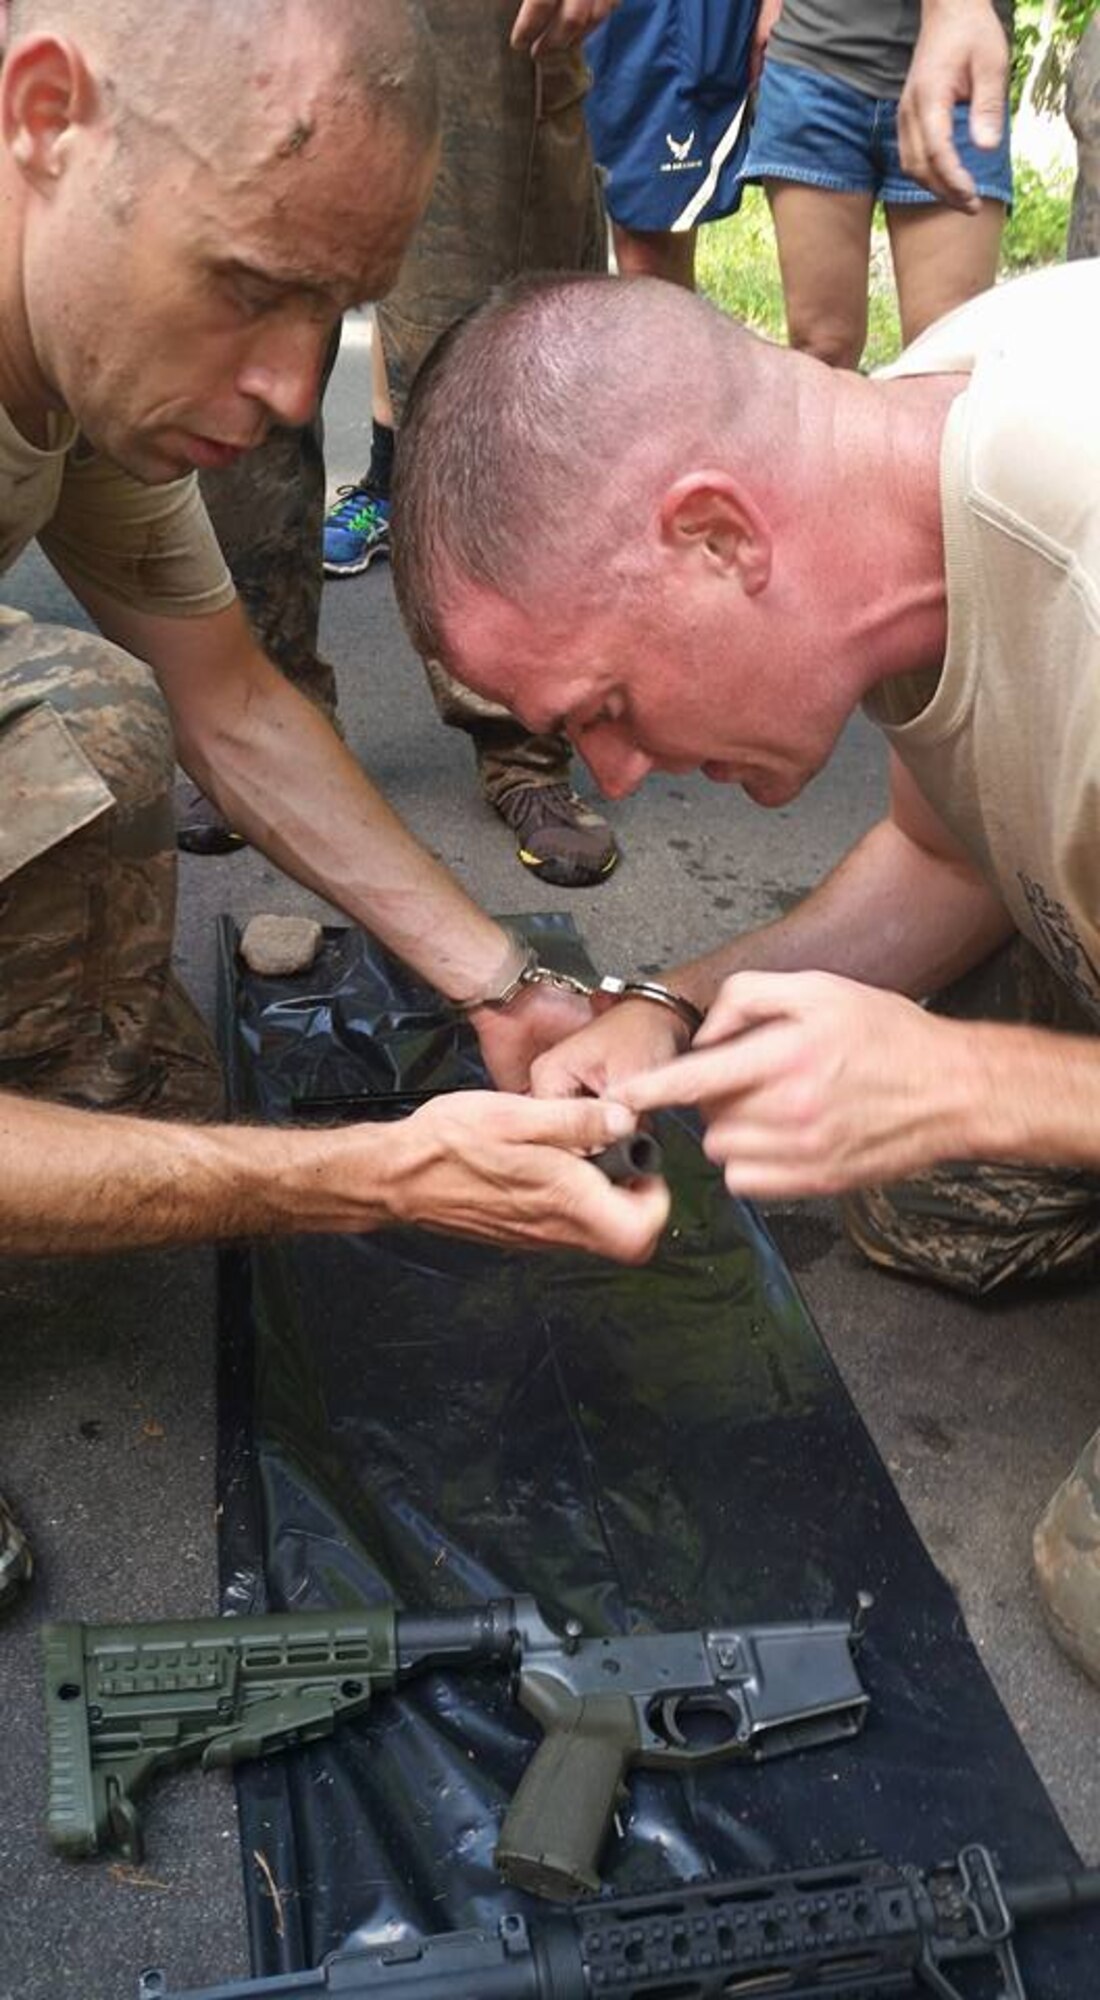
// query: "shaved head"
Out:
[543,430]
[216,63]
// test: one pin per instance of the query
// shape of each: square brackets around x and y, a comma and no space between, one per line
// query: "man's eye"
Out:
[251,299]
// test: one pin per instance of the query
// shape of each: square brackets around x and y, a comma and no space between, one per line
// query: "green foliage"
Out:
[1036,230]
[736,266]
[1046,42]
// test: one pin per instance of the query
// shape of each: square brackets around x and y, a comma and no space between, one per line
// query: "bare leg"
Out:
[824,243]
[941,258]
[655,253]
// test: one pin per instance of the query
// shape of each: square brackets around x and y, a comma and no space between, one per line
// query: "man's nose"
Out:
[285,375]
[617,767]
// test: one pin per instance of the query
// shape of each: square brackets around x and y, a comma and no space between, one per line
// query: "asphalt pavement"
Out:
[107,1418]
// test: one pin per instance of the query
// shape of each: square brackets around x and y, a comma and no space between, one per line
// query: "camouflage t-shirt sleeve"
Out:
[151,547]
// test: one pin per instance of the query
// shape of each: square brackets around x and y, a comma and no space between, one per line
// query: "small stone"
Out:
[275,946]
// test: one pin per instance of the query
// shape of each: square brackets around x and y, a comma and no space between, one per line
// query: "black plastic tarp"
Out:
[409,1418]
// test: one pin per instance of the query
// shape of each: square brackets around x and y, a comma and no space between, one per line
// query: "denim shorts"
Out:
[824,133]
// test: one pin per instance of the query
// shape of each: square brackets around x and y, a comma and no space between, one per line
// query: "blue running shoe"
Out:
[357,528]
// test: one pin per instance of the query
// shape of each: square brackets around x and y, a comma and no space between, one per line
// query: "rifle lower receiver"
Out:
[662,1701]
[124,1702]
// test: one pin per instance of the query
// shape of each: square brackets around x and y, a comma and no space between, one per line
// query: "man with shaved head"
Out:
[717,574]
[180,240]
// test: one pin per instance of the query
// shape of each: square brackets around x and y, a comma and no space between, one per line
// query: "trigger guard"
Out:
[664,1719]
[671,1731]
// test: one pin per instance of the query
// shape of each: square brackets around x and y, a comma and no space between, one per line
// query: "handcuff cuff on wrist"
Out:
[530,971]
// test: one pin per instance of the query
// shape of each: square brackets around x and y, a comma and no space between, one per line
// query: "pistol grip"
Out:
[556,1826]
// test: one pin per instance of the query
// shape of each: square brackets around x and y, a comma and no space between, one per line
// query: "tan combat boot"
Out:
[1067,1561]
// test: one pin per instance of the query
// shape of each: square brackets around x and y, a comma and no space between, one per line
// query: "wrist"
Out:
[680,1034]
[654,993]
[522,972]
[1034,1095]
[505,978]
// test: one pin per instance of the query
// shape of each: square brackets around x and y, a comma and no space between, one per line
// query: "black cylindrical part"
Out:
[635,1158]
[480,1632]
[1053,1895]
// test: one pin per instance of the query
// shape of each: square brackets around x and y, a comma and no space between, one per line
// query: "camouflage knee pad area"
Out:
[977,1226]
[89,1012]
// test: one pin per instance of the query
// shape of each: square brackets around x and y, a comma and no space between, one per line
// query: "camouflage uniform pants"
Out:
[517,191]
[976,1226]
[90,1012]
[1083,113]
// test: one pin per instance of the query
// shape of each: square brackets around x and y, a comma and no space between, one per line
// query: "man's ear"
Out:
[46,89]
[711,514]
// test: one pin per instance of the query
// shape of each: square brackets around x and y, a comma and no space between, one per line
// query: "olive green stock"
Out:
[555,1828]
[125,1702]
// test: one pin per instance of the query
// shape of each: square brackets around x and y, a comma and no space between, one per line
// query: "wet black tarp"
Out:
[405,1417]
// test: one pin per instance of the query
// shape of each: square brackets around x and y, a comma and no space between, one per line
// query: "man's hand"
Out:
[504,1169]
[512,1037]
[809,1084]
[543,25]
[507,1170]
[961,56]
[767,15]
[631,1036]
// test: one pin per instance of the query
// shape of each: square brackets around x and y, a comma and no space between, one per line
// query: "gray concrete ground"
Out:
[107,1413]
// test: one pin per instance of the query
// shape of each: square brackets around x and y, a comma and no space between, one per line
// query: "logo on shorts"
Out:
[680,149]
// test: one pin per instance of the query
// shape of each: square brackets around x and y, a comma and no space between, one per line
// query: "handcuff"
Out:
[532,972]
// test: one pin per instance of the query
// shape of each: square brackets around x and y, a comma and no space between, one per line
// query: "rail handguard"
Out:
[860,1930]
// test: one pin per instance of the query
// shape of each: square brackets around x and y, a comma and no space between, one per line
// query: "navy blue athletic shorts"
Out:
[665,111]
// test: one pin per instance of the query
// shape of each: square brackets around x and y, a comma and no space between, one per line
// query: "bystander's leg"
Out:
[941,258]
[267,514]
[824,242]
[1083,113]
[655,253]
[516,191]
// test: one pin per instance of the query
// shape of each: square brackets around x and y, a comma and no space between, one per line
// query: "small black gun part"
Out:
[636,1158]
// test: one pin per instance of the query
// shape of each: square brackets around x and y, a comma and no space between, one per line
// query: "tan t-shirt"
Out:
[1005,741]
[151,547]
